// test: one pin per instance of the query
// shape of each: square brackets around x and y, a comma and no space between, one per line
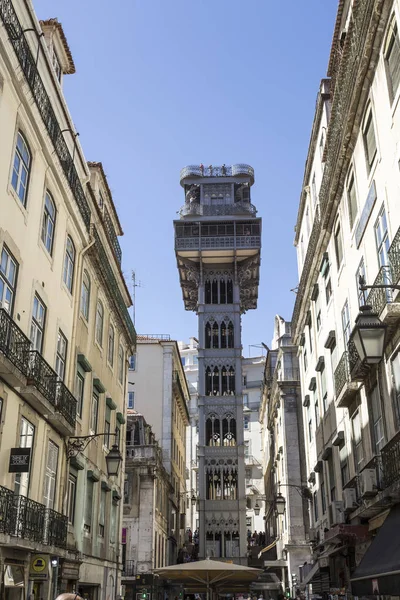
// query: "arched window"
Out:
[229,292]
[120,364]
[231,380]
[99,322]
[231,341]
[229,431]
[208,382]
[207,292]
[69,264]
[214,290]
[224,381]
[223,335]
[215,382]
[48,223]
[85,295]
[222,291]
[110,345]
[208,335]
[213,431]
[215,331]
[21,168]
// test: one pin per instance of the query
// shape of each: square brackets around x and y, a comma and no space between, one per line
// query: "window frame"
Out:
[94,414]
[346,326]
[18,153]
[368,121]
[392,41]
[99,331]
[71,503]
[110,356]
[79,391]
[48,220]
[85,295]
[121,358]
[131,400]
[338,243]
[61,354]
[69,264]
[351,194]
[6,282]
[36,325]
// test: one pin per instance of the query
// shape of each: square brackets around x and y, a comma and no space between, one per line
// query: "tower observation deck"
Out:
[217,246]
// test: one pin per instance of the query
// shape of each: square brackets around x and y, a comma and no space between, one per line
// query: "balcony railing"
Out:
[391,461]
[66,403]
[13,342]
[56,528]
[217,210]
[42,376]
[204,243]
[28,65]
[378,298]
[217,171]
[128,569]
[24,518]
[342,373]
[112,236]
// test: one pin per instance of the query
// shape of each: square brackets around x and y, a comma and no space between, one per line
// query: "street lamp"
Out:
[78,443]
[193,499]
[280,504]
[369,335]
[113,460]
[256,509]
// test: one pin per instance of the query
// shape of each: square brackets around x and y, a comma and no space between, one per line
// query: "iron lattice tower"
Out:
[217,245]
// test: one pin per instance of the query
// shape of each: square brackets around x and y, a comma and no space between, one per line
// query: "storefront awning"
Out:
[379,571]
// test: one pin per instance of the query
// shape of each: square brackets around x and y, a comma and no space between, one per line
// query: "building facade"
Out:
[158,390]
[217,244]
[61,286]
[347,227]
[285,472]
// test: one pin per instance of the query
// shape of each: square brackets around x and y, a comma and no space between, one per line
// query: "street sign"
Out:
[39,567]
[20,459]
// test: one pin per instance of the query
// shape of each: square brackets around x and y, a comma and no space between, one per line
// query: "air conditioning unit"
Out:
[312,534]
[368,483]
[349,499]
[336,513]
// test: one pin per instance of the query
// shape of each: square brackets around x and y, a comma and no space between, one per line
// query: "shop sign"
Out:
[20,459]
[123,535]
[69,570]
[39,567]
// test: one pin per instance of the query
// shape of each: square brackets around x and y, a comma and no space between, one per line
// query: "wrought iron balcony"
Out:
[13,342]
[217,171]
[391,461]
[249,459]
[378,298]
[66,403]
[394,257]
[56,529]
[348,372]
[42,376]
[128,569]
[215,210]
[24,518]
[27,63]
[112,236]
[342,373]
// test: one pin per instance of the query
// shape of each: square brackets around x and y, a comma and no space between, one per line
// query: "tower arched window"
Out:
[224,381]
[213,431]
[230,335]
[208,335]
[231,380]
[207,292]
[208,381]
[222,292]
[215,332]
[229,431]
[223,335]
[214,290]
[229,292]
[215,382]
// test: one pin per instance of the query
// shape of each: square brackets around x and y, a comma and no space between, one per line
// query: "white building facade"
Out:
[347,227]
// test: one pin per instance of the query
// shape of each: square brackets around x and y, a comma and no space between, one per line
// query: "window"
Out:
[346,322]
[377,420]
[338,244]
[113,520]
[61,355]
[95,411]
[21,167]
[351,199]
[107,426]
[382,239]
[322,488]
[328,290]
[324,390]
[110,346]
[246,423]
[56,65]
[305,359]
[26,438]
[360,274]
[131,399]
[315,503]
[332,478]
[102,512]
[314,190]
[50,477]
[80,390]
[99,322]
[369,139]
[132,362]
[48,223]
[357,442]
[85,295]
[392,58]
[71,498]
[321,145]
[310,427]
[308,226]
[183,361]
[316,408]
[310,335]
[245,399]
[120,364]
[87,517]
[396,384]
[38,324]
[318,312]
[69,264]
[8,279]
[344,465]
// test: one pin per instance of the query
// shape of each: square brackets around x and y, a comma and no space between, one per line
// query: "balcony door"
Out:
[26,438]
[50,477]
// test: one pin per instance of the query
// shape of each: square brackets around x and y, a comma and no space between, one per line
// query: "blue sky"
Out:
[161,84]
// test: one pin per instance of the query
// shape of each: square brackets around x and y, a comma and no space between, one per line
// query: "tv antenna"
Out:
[135,284]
